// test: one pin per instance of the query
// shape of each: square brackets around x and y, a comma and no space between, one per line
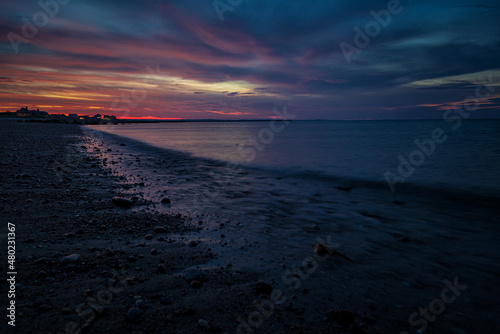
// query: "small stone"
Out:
[153,251]
[73,258]
[66,310]
[160,229]
[203,324]
[196,284]
[161,268]
[121,202]
[109,252]
[193,244]
[165,201]
[148,237]
[141,304]
[134,313]
[263,288]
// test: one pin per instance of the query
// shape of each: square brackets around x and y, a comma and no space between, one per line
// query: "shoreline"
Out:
[63,207]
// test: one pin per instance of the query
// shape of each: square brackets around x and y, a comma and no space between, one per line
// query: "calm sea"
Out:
[425,153]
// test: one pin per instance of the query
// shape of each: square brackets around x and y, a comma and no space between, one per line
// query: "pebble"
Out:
[109,252]
[141,304]
[70,259]
[160,229]
[203,324]
[196,284]
[134,313]
[121,202]
[148,237]
[165,201]
[153,251]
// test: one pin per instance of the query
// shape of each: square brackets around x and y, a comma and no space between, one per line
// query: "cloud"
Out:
[266,53]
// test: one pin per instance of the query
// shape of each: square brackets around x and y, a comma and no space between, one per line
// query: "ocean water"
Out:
[467,158]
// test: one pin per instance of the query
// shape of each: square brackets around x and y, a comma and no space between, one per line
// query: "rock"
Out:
[161,268]
[165,201]
[322,250]
[73,258]
[69,235]
[121,202]
[134,313]
[153,251]
[160,229]
[193,244]
[141,304]
[263,288]
[109,252]
[148,237]
[342,317]
[196,284]
[203,324]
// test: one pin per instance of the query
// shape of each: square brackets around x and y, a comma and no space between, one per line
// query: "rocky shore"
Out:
[85,263]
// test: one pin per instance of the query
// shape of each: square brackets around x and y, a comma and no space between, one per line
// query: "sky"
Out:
[239,59]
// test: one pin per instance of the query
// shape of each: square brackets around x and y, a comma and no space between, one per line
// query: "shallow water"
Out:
[467,158]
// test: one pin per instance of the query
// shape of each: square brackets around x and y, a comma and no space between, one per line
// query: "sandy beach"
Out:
[89,262]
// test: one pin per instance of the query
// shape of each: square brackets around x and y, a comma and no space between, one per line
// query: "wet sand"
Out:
[159,268]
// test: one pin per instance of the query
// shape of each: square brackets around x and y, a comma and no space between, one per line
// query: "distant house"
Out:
[74,116]
[25,112]
[97,116]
